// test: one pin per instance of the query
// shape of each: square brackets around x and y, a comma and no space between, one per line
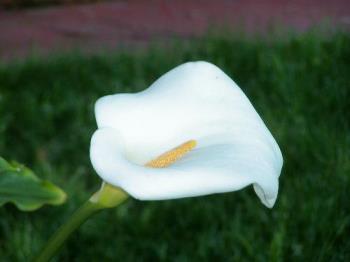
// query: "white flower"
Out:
[222,143]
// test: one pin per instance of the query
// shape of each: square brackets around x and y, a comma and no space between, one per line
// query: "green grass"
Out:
[299,85]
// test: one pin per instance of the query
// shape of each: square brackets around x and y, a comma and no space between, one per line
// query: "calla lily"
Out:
[193,132]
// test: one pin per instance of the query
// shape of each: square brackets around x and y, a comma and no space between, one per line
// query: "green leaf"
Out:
[20,186]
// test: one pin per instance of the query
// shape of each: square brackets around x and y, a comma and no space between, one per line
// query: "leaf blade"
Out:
[21,187]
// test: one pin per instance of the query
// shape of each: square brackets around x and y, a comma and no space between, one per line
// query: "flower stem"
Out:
[99,201]
[61,235]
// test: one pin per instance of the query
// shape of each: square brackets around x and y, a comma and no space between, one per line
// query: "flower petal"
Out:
[204,170]
[194,101]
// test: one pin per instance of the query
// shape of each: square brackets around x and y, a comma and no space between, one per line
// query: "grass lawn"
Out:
[301,88]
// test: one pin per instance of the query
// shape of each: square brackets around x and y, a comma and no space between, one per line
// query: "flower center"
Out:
[171,156]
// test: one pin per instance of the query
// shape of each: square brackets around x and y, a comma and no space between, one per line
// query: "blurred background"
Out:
[291,58]
[44,26]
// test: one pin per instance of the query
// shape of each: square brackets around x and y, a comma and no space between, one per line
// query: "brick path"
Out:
[106,25]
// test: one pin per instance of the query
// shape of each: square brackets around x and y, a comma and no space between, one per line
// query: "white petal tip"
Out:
[267,195]
[269,202]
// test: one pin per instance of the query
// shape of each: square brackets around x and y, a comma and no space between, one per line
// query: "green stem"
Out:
[107,197]
[56,241]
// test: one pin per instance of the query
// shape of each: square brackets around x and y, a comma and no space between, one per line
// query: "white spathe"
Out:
[194,101]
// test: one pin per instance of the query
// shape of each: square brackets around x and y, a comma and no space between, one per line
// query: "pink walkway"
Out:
[106,25]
